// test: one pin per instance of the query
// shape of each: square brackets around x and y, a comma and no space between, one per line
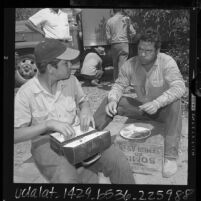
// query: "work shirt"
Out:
[92,63]
[118,29]
[33,104]
[163,83]
[55,25]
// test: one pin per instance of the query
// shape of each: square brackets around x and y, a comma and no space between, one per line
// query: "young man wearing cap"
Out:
[159,87]
[48,103]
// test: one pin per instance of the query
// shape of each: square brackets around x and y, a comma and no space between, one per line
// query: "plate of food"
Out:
[133,132]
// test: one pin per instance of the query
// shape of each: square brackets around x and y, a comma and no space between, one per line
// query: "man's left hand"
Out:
[86,118]
[150,107]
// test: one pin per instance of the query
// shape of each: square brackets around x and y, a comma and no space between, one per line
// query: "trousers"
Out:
[170,115]
[56,168]
[93,77]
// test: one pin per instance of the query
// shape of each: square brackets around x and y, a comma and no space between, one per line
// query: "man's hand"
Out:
[86,118]
[111,108]
[149,107]
[33,27]
[61,127]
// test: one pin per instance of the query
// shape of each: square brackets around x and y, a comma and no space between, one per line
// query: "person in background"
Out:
[49,102]
[52,23]
[118,31]
[92,66]
[159,86]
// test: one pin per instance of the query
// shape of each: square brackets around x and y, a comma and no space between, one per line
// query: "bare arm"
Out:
[86,116]
[27,133]
[34,28]
[132,31]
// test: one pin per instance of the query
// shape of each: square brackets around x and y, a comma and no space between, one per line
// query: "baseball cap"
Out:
[50,49]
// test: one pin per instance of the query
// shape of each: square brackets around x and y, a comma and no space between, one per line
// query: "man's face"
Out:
[63,70]
[147,52]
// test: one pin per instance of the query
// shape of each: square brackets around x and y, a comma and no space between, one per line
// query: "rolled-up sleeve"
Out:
[22,113]
[173,77]
[121,83]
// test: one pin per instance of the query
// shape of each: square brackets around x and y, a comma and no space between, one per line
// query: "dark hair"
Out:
[151,35]
[43,66]
[87,51]
[116,10]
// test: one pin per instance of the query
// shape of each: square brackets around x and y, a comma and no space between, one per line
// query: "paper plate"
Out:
[133,132]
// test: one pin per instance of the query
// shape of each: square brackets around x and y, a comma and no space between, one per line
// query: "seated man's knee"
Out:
[174,107]
[100,116]
[129,107]
[123,102]
[105,101]
[62,175]
[114,155]
[171,112]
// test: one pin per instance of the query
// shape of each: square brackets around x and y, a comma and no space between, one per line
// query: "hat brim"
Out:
[69,54]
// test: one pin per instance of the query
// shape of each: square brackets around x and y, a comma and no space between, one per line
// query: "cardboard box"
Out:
[144,158]
[146,155]
[82,146]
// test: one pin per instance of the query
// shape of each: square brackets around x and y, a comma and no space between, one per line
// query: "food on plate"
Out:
[134,132]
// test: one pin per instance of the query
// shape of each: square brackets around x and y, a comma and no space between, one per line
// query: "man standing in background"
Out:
[118,31]
[52,23]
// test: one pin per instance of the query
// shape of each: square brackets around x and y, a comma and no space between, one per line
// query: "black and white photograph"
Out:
[102,105]
[101,96]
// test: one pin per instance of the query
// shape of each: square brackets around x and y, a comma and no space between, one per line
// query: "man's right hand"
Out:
[111,108]
[61,127]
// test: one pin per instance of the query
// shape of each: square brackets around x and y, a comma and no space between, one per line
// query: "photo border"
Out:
[141,191]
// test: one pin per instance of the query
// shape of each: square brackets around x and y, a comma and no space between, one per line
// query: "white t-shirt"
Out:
[91,64]
[55,25]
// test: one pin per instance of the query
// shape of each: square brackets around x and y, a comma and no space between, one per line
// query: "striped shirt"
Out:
[163,84]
